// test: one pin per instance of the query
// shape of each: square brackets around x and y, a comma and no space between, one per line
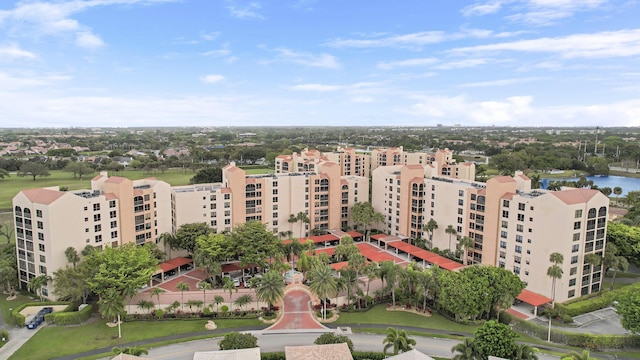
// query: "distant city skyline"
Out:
[131,63]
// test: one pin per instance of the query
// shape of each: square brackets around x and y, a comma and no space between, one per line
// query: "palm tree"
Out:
[133,350]
[451,231]
[431,226]
[182,286]
[464,244]
[617,191]
[243,300]
[146,305]
[578,356]
[593,260]
[209,265]
[392,280]
[465,350]
[204,286]
[398,340]
[191,303]
[271,288]
[304,219]
[111,304]
[72,255]
[157,291]
[371,271]
[555,272]
[173,306]
[37,283]
[217,300]
[525,352]
[621,264]
[231,287]
[323,283]
[425,281]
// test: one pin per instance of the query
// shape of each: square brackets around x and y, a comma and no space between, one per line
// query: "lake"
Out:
[626,183]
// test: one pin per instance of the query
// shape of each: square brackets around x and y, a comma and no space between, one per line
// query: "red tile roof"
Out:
[42,196]
[425,255]
[575,196]
[532,298]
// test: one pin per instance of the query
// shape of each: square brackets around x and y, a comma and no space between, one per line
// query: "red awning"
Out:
[180,261]
[340,265]
[314,239]
[532,298]
[425,255]
[354,234]
[379,236]
[329,251]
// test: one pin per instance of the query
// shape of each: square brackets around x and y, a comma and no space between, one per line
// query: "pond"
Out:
[626,183]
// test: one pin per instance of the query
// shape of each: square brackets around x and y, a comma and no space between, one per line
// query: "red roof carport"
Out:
[532,298]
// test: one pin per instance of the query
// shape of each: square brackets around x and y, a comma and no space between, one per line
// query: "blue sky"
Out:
[304,62]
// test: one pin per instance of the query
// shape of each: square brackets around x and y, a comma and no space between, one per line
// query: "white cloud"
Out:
[249,11]
[317,87]
[500,82]
[362,100]
[53,18]
[606,44]
[217,53]
[10,82]
[13,51]
[407,40]
[460,64]
[86,39]
[406,63]
[308,59]
[534,12]
[212,78]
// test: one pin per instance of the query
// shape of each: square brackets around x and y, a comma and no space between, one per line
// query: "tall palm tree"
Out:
[555,272]
[617,191]
[204,286]
[157,291]
[271,288]
[431,226]
[465,350]
[111,304]
[323,284]
[182,286]
[451,231]
[398,340]
[392,280]
[304,219]
[464,244]
[228,285]
[37,283]
[217,300]
[425,282]
[621,264]
[72,255]
[209,265]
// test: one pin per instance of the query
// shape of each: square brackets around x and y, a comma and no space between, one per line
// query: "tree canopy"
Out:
[187,235]
[207,175]
[494,339]
[629,308]
[236,340]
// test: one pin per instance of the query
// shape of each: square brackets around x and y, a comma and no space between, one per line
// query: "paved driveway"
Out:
[297,313]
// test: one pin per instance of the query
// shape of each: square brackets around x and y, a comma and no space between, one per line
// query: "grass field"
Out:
[96,334]
[12,185]
[379,315]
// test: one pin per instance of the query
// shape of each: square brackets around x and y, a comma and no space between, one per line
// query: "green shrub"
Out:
[71,317]
[593,302]
[567,319]
[272,356]
[224,308]
[19,319]
[4,335]
[368,355]
[159,314]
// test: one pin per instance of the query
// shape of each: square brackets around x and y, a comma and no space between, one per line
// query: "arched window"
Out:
[27,213]
[324,182]
[345,187]
[602,211]
[592,213]
[18,211]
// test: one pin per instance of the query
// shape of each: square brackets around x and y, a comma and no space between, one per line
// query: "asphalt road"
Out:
[276,342]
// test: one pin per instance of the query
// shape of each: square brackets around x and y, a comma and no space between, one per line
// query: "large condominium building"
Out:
[363,163]
[323,195]
[115,211]
[511,225]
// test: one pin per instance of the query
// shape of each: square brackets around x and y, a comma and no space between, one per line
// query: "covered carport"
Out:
[169,265]
[533,299]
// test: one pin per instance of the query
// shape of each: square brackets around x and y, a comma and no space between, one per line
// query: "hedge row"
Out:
[69,317]
[595,302]
[582,340]
[19,319]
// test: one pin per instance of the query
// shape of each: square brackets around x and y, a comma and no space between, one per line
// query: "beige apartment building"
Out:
[512,226]
[115,211]
[364,162]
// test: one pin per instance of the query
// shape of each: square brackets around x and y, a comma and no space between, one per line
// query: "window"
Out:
[112,214]
[41,247]
[112,203]
[505,214]
[39,213]
[519,228]
[227,196]
[573,271]
[505,224]
[578,213]
[503,244]
[572,282]
[505,203]
[521,206]
[114,224]
[98,238]
[576,237]
[571,293]
[520,217]
[503,234]
[576,225]
[574,259]
[114,234]
[518,249]
[96,207]
[575,248]
[97,228]
[519,238]
[460,202]
[96,217]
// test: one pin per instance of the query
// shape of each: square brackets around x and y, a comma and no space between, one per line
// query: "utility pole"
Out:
[595,148]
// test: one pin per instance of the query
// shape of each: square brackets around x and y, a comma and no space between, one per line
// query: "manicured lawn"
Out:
[6,305]
[379,315]
[259,171]
[47,342]
[13,184]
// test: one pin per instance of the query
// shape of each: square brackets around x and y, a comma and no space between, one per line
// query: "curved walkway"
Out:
[296,313]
